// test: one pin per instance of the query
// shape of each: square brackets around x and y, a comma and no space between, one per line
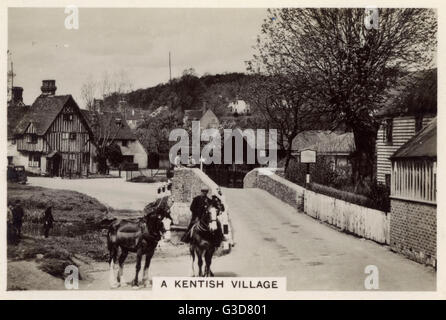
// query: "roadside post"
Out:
[308,156]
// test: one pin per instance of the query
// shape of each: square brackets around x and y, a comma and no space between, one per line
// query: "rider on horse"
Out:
[198,208]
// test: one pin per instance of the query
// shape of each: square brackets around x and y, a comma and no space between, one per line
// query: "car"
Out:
[17,174]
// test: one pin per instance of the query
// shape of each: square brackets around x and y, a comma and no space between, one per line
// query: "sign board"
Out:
[308,156]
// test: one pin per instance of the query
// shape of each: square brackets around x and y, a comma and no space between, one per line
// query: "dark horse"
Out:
[140,236]
[206,237]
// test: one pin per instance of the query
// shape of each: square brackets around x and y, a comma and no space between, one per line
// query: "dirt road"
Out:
[114,192]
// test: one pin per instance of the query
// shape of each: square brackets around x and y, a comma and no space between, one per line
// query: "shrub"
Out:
[341,195]
[338,183]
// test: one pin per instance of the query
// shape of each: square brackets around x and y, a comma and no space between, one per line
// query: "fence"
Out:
[361,221]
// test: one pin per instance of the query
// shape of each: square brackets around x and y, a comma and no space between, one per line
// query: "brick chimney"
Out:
[17,95]
[48,87]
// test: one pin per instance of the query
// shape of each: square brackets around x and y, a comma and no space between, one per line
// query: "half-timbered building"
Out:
[54,135]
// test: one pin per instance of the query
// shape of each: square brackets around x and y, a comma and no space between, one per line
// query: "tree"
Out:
[154,131]
[283,103]
[349,64]
[106,128]
[88,92]
[114,155]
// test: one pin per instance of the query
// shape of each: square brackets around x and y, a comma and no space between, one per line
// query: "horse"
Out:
[140,236]
[206,237]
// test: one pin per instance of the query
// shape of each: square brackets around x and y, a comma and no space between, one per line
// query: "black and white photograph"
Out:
[226,150]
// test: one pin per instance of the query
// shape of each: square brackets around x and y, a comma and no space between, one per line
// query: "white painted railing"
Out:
[414,179]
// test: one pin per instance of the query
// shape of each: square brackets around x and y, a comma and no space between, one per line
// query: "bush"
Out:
[338,184]
[341,195]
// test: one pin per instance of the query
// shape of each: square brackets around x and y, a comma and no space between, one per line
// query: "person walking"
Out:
[48,221]
[17,217]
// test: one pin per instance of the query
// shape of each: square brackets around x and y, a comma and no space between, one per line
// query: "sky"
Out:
[135,42]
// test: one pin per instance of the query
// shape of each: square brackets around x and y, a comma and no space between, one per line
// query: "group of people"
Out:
[15,216]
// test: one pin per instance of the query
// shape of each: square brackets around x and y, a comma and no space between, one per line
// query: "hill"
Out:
[188,92]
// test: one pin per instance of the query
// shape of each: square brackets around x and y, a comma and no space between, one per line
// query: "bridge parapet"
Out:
[279,187]
[187,184]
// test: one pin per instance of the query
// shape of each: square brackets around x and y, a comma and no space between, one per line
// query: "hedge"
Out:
[347,196]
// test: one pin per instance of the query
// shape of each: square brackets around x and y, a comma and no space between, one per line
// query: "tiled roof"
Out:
[42,113]
[324,141]
[107,123]
[193,114]
[15,114]
[423,144]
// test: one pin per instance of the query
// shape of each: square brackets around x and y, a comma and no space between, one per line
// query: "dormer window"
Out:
[118,122]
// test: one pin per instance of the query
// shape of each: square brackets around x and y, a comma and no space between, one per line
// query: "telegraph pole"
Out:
[170,69]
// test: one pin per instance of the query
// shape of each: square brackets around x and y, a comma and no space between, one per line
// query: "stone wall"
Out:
[413,230]
[187,184]
[279,187]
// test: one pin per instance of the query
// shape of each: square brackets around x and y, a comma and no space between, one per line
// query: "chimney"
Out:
[98,105]
[48,87]
[17,95]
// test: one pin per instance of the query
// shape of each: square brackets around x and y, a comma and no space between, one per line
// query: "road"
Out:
[114,192]
[273,239]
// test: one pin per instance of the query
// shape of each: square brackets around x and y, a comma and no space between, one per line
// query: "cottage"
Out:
[333,146]
[112,127]
[52,137]
[411,110]
[16,110]
[239,107]
[207,118]
[413,217]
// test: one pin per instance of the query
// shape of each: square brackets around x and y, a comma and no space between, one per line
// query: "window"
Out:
[418,123]
[86,158]
[125,143]
[72,135]
[13,141]
[10,160]
[65,135]
[388,128]
[68,117]
[34,160]
[32,138]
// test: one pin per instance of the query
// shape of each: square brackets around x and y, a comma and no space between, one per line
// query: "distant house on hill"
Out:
[112,126]
[207,118]
[134,117]
[411,110]
[158,111]
[335,147]
[413,219]
[239,107]
[52,136]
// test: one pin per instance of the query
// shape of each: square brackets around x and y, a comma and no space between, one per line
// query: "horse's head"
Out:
[159,221]
[213,211]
